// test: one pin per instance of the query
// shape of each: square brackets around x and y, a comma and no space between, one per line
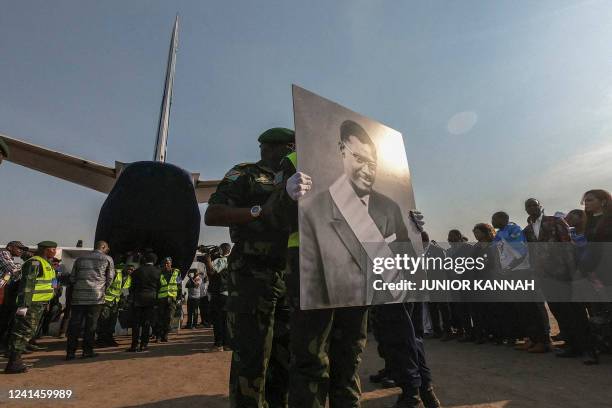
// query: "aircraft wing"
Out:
[80,171]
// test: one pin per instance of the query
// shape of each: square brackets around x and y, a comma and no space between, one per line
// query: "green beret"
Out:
[4,148]
[277,136]
[47,244]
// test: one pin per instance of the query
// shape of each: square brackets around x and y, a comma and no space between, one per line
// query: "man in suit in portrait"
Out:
[345,227]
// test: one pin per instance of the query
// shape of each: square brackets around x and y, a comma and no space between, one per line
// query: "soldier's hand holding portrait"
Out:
[417,219]
[298,185]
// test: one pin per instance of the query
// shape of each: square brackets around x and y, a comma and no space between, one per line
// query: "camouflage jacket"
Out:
[244,186]
[29,272]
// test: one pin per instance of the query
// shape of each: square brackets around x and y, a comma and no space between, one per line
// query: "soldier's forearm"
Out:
[220,215]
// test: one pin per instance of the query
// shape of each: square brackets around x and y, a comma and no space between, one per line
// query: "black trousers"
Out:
[83,317]
[462,320]
[7,310]
[143,317]
[532,321]
[574,324]
[204,311]
[437,310]
[219,319]
[192,311]
[401,343]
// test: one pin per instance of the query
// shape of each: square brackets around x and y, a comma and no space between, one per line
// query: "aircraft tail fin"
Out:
[164,112]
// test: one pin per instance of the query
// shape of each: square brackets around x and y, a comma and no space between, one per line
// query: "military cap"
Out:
[277,136]
[4,148]
[167,259]
[47,244]
[132,265]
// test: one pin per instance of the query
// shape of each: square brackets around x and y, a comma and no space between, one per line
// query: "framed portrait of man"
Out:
[358,209]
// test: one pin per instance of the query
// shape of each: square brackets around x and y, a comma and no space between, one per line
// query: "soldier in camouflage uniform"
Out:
[114,300]
[36,289]
[326,344]
[170,292]
[256,310]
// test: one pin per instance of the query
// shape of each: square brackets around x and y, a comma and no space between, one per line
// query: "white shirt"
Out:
[536,225]
[220,264]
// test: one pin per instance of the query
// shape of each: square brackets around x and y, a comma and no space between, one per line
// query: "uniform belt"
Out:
[261,248]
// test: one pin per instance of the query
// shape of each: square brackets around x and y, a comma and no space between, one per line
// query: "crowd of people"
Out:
[283,355]
[578,253]
[144,295]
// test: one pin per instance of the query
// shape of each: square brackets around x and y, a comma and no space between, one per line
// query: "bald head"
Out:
[102,246]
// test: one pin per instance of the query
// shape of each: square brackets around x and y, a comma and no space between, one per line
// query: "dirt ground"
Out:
[179,374]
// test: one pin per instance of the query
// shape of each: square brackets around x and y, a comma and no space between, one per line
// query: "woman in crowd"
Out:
[596,261]
[576,335]
[489,317]
[597,204]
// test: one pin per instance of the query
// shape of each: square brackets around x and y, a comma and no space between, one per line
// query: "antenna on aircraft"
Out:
[164,113]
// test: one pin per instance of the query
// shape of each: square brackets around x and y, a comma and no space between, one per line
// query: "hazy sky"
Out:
[497,101]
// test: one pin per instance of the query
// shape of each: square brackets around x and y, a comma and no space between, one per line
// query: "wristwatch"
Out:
[256,211]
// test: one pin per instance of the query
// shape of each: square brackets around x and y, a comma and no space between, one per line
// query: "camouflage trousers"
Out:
[258,330]
[326,347]
[166,307]
[24,327]
[108,320]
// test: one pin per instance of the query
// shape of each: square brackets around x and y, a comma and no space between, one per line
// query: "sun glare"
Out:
[391,152]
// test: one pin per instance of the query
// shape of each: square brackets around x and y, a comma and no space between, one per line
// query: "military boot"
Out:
[378,377]
[409,398]
[35,347]
[429,398]
[15,365]
[388,383]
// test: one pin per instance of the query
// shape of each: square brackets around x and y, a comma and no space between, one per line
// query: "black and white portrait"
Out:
[358,208]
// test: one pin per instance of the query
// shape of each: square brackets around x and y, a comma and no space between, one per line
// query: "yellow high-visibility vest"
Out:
[168,289]
[113,293]
[294,238]
[43,289]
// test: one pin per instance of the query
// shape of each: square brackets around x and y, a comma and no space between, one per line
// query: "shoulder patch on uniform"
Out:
[232,175]
[236,171]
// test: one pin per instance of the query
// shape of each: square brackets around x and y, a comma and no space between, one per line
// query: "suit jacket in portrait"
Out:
[333,263]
